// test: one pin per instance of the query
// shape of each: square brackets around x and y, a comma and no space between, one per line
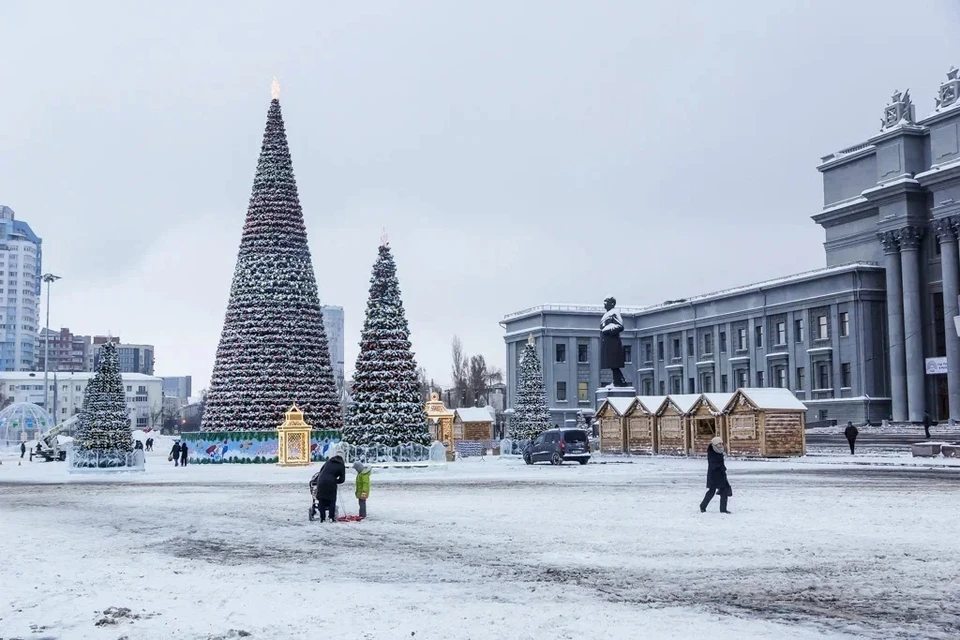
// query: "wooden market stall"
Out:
[472,424]
[613,424]
[673,424]
[440,421]
[766,422]
[641,425]
[707,421]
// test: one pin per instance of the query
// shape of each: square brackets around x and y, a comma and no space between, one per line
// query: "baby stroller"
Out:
[314,502]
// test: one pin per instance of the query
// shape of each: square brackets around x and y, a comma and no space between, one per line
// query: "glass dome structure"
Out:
[20,418]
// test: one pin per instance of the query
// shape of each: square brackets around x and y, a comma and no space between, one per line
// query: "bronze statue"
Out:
[611,349]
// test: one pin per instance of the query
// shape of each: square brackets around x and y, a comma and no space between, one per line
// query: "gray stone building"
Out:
[869,336]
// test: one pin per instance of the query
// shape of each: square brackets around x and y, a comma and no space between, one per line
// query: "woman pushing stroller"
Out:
[323,488]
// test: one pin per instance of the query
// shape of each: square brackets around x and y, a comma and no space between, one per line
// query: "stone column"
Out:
[913,322]
[946,233]
[896,360]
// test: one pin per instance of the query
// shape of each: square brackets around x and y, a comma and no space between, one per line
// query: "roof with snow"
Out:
[684,401]
[473,414]
[771,398]
[719,401]
[636,311]
[651,403]
[620,405]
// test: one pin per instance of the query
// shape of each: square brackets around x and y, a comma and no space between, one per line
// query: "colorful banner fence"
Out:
[250,447]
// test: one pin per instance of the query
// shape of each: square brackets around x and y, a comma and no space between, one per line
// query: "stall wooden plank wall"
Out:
[611,429]
[706,423]
[672,428]
[641,434]
[783,434]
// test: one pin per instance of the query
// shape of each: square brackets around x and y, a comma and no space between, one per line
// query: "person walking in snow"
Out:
[851,432]
[175,453]
[362,490]
[23,449]
[183,454]
[716,477]
[333,473]
[927,423]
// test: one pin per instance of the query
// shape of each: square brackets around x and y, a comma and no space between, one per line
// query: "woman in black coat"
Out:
[716,477]
[332,473]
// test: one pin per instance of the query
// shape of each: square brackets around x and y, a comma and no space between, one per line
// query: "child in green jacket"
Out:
[363,486]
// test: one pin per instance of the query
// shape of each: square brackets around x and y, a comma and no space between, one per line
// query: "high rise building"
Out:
[20,264]
[68,352]
[134,358]
[178,387]
[333,324]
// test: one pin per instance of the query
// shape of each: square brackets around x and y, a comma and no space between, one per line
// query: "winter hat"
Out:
[717,442]
[358,466]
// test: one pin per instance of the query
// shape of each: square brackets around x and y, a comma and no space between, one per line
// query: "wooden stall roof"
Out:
[768,399]
[620,405]
[649,404]
[473,414]
[684,402]
[718,401]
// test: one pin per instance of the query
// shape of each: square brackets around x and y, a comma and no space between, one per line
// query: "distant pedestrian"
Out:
[138,446]
[927,423]
[363,485]
[149,444]
[851,432]
[175,453]
[183,454]
[23,449]
[716,477]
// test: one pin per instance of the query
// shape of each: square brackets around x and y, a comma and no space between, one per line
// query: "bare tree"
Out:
[480,377]
[459,372]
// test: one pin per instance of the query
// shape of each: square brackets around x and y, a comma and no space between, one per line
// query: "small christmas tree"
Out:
[531,417]
[273,350]
[386,407]
[103,425]
[582,421]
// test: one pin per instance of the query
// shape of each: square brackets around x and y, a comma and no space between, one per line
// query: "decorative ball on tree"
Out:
[273,349]
[387,408]
[531,416]
[103,425]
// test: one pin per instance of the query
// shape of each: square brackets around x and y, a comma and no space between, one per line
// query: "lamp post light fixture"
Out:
[49,278]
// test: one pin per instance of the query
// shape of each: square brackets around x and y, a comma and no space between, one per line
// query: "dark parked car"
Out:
[557,446]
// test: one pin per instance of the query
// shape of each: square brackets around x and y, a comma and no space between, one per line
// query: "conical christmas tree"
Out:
[531,417]
[386,406]
[273,350]
[103,424]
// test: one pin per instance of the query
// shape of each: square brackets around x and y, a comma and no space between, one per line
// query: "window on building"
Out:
[561,392]
[823,376]
[759,378]
[707,343]
[647,352]
[63,411]
[844,324]
[741,339]
[677,353]
[724,383]
[583,392]
[781,333]
[780,377]
[798,330]
[676,386]
[561,352]
[846,375]
[142,421]
[690,351]
[758,336]
[628,353]
[129,388]
[660,350]
[741,378]
[583,353]
[723,342]
[706,383]
[663,388]
[822,332]
[801,379]
[647,386]
[691,385]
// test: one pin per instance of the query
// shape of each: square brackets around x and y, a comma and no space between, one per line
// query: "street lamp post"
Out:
[49,278]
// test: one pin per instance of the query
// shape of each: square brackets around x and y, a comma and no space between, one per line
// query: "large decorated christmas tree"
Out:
[273,349]
[103,425]
[386,406]
[531,417]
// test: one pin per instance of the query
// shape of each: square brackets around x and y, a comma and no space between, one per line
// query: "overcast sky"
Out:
[517,152]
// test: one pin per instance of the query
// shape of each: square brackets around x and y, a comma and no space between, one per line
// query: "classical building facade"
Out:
[870,336]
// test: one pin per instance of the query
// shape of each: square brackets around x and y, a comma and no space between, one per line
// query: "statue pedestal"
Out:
[615,392]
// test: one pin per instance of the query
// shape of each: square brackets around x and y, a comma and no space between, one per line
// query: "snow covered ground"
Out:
[816,548]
